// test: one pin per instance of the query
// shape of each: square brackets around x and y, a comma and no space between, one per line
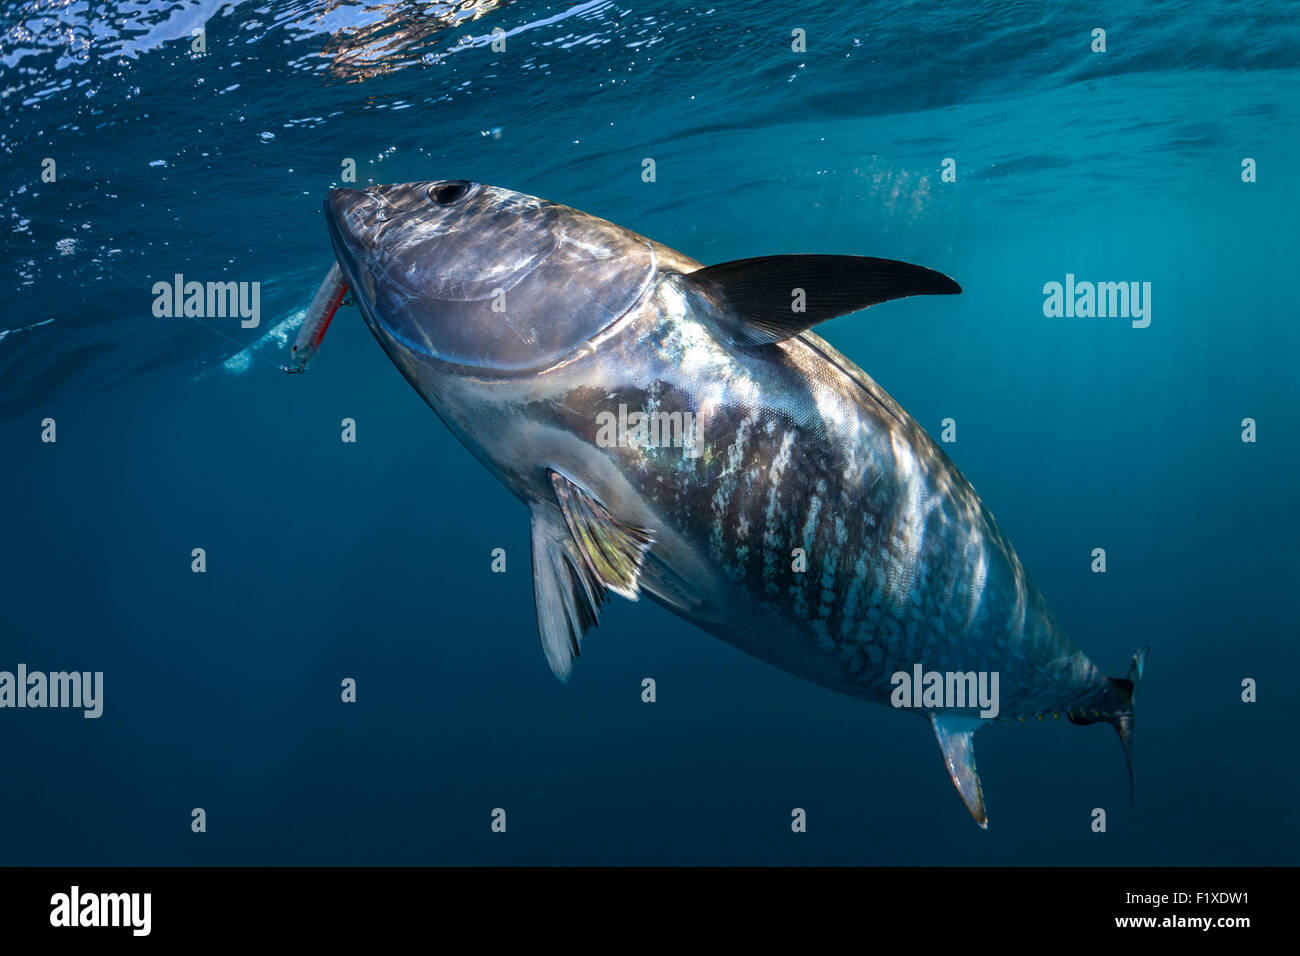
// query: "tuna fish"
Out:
[676,430]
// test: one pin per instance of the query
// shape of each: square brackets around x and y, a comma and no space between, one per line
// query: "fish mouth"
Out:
[350,215]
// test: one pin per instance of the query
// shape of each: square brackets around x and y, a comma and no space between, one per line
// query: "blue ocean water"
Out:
[371,560]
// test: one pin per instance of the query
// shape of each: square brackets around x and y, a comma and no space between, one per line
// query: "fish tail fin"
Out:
[1122,718]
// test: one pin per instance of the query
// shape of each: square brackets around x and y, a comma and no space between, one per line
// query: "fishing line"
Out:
[250,349]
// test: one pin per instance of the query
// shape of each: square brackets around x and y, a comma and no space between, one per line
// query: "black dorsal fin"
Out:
[761,296]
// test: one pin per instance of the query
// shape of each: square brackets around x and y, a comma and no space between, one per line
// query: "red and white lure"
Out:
[316,322]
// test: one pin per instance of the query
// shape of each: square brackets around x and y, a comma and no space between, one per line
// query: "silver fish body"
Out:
[530,328]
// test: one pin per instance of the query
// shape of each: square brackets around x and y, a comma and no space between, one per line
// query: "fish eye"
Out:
[447,193]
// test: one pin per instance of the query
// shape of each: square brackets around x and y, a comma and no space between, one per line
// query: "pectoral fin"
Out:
[613,550]
[771,298]
[957,741]
[580,552]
